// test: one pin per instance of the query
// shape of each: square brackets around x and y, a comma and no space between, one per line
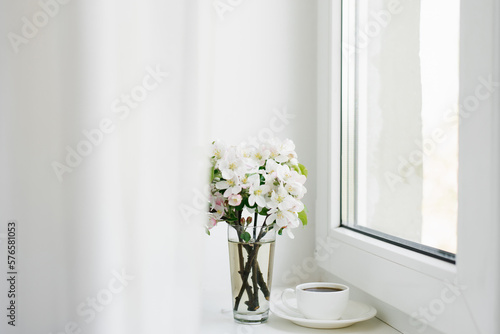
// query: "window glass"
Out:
[399,121]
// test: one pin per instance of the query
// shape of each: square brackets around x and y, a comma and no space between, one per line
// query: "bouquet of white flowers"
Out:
[267,180]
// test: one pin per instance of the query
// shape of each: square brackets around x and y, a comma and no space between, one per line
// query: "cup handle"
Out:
[284,299]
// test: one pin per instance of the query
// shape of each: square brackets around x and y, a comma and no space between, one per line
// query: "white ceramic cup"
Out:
[318,300]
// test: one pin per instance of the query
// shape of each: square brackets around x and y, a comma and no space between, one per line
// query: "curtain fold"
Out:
[101,134]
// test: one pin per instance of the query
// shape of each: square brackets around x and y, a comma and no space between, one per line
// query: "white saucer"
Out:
[355,312]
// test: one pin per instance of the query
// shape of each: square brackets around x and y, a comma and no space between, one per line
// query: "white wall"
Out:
[265,60]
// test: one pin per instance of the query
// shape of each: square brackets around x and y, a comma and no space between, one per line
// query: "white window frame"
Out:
[404,285]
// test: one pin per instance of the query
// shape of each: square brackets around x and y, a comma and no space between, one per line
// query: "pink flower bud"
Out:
[235,200]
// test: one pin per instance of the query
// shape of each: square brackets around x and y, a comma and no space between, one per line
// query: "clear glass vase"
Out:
[251,258]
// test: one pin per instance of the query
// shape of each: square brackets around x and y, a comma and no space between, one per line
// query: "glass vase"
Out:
[251,259]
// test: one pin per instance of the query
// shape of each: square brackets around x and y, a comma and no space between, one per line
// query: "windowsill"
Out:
[218,319]
[407,258]
[401,282]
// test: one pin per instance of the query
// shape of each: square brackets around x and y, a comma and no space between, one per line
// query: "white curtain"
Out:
[101,143]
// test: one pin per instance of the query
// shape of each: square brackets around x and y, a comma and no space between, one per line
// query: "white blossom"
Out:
[258,192]
[231,186]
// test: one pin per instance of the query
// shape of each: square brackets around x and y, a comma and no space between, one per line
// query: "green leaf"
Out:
[280,232]
[303,170]
[264,211]
[212,174]
[245,236]
[303,216]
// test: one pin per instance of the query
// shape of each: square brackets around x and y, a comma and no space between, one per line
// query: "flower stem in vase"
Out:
[252,266]
[255,299]
[242,274]
[245,286]
[260,277]
[244,277]
[254,305]
[262,283]
[256,215]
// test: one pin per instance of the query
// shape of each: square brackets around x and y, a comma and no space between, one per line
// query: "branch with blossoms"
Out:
[266,180]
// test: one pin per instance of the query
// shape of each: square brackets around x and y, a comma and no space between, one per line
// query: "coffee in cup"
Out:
[318,300]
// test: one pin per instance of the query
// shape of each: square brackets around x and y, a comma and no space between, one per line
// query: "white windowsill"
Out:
[425,264]
[396,281]
[218,319]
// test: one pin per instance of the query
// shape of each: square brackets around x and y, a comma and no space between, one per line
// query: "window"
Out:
[412,290]
[399,122]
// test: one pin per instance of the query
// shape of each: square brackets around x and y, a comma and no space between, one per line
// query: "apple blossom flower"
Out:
[297,206]
[232,186]
[231,166]
[247,155]
[211,222]
[286,151]
[258,193]
[245,184]
[281,199]
[295,189]
[218,149]
[272,168]
[284,219]
[235,200]
[273,152]
[217,199]
[260,156]
[245,151]
[291,175]
[282,171]
[219,211]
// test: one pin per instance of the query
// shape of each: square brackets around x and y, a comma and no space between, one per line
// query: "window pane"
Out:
[400,124]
